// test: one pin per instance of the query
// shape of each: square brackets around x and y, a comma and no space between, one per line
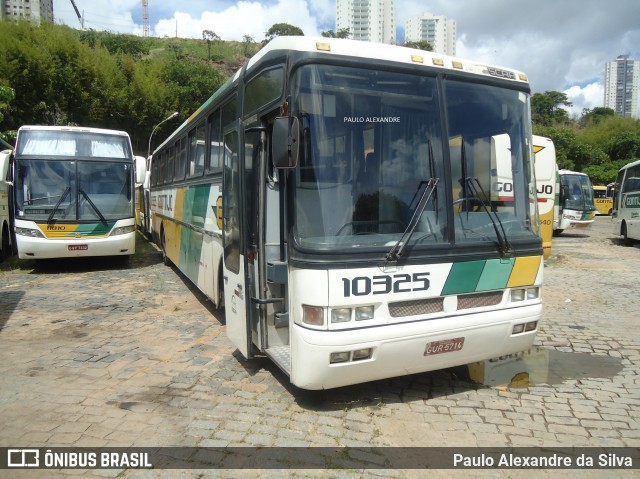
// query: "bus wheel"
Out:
[221,288]
[625,238]
[163,244]
[5,247]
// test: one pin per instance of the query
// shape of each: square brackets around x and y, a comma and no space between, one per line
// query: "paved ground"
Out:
[102,353]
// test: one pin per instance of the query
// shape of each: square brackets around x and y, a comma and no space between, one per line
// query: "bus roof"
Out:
[85,129]
[356,49]
[628,165]
[383,51]
[569,172]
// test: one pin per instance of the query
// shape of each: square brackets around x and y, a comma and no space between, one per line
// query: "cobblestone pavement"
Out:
[102,353]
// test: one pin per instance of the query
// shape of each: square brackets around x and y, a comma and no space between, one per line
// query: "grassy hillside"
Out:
[65,76]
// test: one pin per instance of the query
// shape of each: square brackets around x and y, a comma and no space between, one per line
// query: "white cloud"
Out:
[588,96]
[243,18]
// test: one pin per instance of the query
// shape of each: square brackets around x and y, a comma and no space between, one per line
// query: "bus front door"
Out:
[236,296]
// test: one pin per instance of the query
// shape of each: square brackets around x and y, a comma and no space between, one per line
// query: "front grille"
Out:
[479,300]
[413,308]
[436,305]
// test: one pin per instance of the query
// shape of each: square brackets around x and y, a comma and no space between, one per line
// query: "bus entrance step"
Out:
[281,355]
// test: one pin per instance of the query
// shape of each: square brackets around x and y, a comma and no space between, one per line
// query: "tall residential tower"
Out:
[622,86]
[368,20]
[438,30]
[36,11]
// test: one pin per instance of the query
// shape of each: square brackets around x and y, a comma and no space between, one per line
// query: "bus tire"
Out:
[163,247]
[557,232]
[220,305]
[625,238]
[5,246]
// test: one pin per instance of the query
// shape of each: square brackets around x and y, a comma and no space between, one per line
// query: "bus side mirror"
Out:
[5,158]
[141,169]
[285,142]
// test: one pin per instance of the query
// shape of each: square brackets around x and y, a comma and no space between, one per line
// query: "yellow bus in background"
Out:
[603,199]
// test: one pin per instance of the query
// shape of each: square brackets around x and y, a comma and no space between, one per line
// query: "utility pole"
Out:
[145,18]
[80,17]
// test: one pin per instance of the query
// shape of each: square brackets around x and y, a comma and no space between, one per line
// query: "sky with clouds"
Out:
[562,45]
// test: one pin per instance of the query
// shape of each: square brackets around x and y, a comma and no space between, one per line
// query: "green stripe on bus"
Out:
[93,229]
[463,277]
[194,212]
[495,274]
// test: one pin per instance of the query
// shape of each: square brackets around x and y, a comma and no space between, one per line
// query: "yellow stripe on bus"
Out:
[525,271]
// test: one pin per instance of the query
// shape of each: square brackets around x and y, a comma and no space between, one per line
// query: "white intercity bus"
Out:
[626,203]
[72,192]
[546,185]
[5,218]
[362,211]
[575,207]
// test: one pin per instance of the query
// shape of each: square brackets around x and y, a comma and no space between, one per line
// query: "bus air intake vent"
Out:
[479,300]
[413,308]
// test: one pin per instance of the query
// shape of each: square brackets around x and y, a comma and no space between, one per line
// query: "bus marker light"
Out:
[341,357]
[364,312]
[531,326]
[362,354]
[518,328]
[533,293]
[341,315]
[313,315]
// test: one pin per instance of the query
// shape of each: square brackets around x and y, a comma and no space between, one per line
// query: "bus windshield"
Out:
[379,165]
[577,192]
[48,190]
[72,144]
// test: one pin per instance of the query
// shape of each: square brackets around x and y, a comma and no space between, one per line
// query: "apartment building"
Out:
[438,30]
[36,11]
[622,86]
[368,20]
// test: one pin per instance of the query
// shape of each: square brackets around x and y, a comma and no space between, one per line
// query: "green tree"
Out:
[6,96]
[546,108]
[596,115]
[280,30]
[210,37]
[625,146]
[572,152]
[420,45]
[342,33]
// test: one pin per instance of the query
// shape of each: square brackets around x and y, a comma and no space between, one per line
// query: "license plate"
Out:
[78,247]
[446,346]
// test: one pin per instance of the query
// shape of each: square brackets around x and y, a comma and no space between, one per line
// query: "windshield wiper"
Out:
[429,189]
[469,184]
[55,208]
[95,208]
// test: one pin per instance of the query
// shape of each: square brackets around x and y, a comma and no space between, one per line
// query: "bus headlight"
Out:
[122,230]
[340,315]
[533,293]
[29,232]
[517,295]
[364,312]
[313,315]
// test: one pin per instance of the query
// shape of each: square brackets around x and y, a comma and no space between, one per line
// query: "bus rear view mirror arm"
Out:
[285,142]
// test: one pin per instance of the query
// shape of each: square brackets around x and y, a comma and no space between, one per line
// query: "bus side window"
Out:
[214,163]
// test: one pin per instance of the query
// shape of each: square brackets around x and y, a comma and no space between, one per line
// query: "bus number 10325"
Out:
[385,283]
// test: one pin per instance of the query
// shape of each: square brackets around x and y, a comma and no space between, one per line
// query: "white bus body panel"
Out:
[399,349]
[46,248]
[399,343]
